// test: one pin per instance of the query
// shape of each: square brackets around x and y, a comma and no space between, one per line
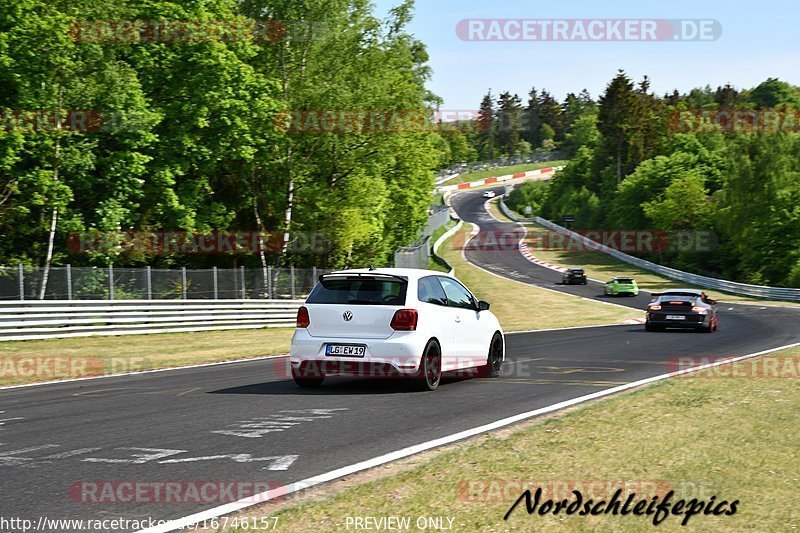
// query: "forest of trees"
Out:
[642,161]
[187,132]
[192,136]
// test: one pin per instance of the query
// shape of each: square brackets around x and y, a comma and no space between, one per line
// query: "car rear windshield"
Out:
[626,281]
[577,271]
[359,291]
[666,298]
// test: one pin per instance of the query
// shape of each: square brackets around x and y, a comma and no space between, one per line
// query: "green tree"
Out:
[509,123]
[683,206]
[773,93]
[487,128]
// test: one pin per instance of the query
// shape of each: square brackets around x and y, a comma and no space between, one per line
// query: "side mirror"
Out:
[483,306]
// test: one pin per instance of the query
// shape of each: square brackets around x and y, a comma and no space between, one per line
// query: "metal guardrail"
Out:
[418,255]
[51,319]
[733,287]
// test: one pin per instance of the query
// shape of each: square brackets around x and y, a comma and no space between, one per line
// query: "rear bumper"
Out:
[692,321]
[399,355]
[627,290]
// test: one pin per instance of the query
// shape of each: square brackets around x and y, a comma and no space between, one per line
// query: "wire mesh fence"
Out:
[112,283]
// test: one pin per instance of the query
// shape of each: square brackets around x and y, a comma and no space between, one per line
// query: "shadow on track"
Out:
[335,385]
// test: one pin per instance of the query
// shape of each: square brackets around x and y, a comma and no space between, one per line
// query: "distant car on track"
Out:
[685,309]
[489,194]
[395,323]
[621,285]
[574,276]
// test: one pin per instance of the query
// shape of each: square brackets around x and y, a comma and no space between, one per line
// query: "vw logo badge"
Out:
[348,316]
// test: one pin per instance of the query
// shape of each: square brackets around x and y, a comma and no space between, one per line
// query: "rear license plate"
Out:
[346,350]
[676,317]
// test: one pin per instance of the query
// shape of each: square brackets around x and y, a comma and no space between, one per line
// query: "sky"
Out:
[758,40]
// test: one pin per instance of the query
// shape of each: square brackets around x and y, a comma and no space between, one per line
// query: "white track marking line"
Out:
[418,448]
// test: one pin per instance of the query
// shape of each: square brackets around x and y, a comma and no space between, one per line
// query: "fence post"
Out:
[149,282]
[183,283]
[291,275]
[269,282]
[69,282]
[264,279]
[216,286]
[313,276]
[241,269]
[110,281]
[21,281]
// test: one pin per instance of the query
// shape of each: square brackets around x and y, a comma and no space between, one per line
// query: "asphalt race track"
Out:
[247,421]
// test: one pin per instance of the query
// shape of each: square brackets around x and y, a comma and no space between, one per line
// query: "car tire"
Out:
[429,374]
[650,327]
[712,326]
[494,362]
[307,380]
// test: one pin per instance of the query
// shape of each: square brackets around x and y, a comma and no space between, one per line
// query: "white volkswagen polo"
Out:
[393,322]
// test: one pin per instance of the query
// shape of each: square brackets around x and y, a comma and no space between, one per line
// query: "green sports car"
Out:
[617,286]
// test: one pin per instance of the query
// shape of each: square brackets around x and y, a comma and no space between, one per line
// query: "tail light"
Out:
[654,308]
[405,320]
[302,317]
[700,310]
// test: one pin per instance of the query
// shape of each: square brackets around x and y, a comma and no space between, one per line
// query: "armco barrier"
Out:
[449,233]
[50,319]
[744,289]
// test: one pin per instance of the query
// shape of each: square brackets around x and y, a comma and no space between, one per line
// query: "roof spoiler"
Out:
[404,279]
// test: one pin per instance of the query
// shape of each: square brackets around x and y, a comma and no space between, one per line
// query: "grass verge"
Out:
[502,171]
[730,438]
[106,355]
[520,306]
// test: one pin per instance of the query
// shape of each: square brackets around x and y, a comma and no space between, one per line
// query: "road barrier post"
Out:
[291,275]
[69,282]
[241,269]
[149,282]
[216,283]
[183,283]
[269,282]
[110,281]
[21,281]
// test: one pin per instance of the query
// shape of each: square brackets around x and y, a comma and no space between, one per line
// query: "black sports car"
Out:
[574,276]
[685,309]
